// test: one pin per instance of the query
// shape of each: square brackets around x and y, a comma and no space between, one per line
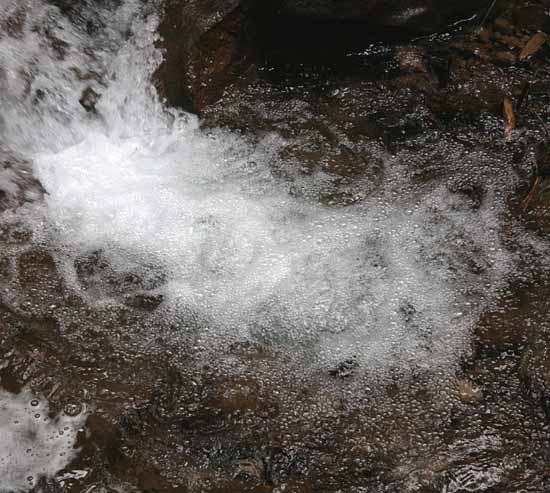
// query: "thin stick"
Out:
[531,194]
[488,12]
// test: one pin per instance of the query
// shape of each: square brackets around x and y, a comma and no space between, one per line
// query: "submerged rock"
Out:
[89,99]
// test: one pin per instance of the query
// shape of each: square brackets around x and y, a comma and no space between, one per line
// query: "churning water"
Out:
[199,219]
[140,200]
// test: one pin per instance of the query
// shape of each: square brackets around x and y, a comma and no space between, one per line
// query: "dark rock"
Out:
[17,183]
[48,486]
[206,45]
[345,369]
[542,156]
[147,302]
[535,370]
[530,18]
[89,99]
[97,275]
[415,15]
[209,44]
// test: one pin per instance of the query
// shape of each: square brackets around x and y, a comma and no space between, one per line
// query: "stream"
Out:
[194,307]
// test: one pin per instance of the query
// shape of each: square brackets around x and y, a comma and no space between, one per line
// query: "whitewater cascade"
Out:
[200,219]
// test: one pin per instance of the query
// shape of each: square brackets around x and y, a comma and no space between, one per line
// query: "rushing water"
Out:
[200,221]
[34,444]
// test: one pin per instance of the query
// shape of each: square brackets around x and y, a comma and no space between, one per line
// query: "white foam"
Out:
[237,253]
[33,444]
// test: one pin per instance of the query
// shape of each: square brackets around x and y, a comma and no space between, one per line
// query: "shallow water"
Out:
[200,219]
[137,201]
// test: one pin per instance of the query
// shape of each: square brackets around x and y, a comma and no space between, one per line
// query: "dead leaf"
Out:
[510,118]
[533,45]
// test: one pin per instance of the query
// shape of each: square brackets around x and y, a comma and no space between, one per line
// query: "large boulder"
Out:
[208,43]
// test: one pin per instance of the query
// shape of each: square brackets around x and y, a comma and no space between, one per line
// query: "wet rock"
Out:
[474,192]
[485,34]
[535,368]
[411,58]
[345,369]
[530,18]
[147,302]
[48,486]
[506,57]
[35,265]
[240,395]
[209,45]
[132,279]
[17,183]
[89,99]
[250,469]
[503,25]
[238,430]
[39,280]
[542,159]
[68,7]
[535,215]
[285,464]
[424,16]
[206,45]
[250,350]
[13,24]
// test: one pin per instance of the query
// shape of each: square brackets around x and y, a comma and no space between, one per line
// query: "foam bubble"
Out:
[141,201]
[230,247]
[33,445]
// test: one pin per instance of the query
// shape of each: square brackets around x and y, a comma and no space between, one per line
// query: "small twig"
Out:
[531,194]
[489,10]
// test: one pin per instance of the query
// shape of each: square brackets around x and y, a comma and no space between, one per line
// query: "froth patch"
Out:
[147,205]
[33,444]
[198,219]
